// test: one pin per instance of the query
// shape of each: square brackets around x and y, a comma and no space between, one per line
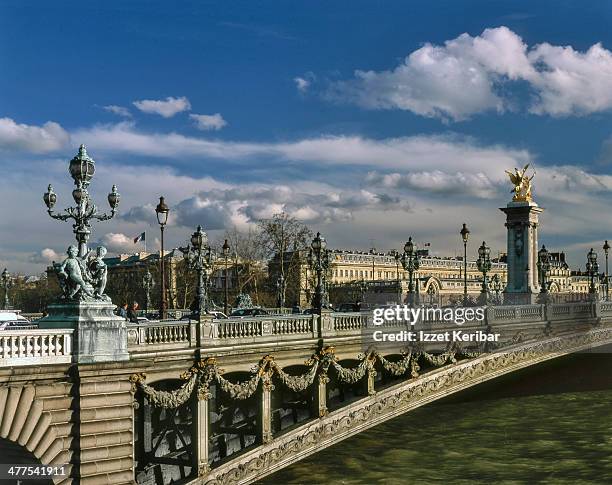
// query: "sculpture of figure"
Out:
[98,270]
[73,275]
[522,184]
[518,241]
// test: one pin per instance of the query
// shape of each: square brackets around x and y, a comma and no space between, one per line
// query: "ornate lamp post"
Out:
[606,248]
[82,169]
[496,286]
[6,284]
[465,234]
[318,259]
[484,266]
[280,291]
[363,287]
[226,251]
[397,257]
[592,268]
[544,269]
[147,284]
[199,256]
[162,211]
[410,262]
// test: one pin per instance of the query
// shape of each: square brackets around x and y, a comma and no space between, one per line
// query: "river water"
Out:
[549,424]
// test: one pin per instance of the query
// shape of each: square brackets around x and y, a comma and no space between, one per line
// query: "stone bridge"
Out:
[230,401]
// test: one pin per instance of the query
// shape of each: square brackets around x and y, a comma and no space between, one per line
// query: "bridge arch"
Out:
[398,399]
[16,454]
[31,424]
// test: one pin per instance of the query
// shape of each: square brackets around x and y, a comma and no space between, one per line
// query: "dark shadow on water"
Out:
[581,372]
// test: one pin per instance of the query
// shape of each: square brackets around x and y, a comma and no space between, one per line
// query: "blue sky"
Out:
[368,120]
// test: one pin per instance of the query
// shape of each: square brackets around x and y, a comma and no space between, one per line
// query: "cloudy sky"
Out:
[369,121]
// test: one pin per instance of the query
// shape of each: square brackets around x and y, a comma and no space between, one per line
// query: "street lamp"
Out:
[397,257]
[280,291]
[496,286]
[147,283]
[6,284]
[484,266]
[318,259]
[592,268]
[606,248]
[544,269]
[82,169]
[465,234]
[199,256]
[363,287]
[226,251]
[410,262]
[162,218]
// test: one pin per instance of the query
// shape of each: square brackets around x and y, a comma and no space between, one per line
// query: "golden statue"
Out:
[522,184]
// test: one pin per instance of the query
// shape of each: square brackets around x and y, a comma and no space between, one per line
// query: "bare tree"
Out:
[280,234]
[244,261]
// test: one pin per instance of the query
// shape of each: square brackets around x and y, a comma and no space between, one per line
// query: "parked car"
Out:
[217,314]
[14,321]
[349,307]
[248,312]
[214,313]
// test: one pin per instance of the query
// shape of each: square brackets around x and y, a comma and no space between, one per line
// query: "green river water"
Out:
[551,424]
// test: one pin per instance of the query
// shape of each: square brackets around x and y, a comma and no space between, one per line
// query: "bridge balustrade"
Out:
[19,347]
[35,346]
[349,322]
[161,334]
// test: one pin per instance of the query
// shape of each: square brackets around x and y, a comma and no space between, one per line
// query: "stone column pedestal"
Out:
[99,334]
[522,249]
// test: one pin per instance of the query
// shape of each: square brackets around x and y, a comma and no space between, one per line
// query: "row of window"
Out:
[349,273]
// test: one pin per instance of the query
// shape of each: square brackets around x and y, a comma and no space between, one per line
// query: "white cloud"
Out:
[118,110]
[449,153]
[119,243]
[570,82]
[30,138]
[47,256]
[209,122]
[302,84]
[436,181]
[241,205]
[166,108]
[469,75]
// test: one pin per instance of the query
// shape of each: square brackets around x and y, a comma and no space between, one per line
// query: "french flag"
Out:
[139,238]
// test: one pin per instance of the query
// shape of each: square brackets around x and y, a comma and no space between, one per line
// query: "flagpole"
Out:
[145,242]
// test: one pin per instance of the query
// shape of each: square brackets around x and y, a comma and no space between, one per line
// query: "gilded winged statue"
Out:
[522,184]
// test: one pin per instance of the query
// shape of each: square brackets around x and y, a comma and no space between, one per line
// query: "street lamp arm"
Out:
[61,217]
[102,217]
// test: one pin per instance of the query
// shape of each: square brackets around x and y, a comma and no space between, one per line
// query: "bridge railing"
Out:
[165,334]
[35,346]
[275,328]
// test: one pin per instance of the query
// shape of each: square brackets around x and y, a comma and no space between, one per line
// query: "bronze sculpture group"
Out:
[83,278]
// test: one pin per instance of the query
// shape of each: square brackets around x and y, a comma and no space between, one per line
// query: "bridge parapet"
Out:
[35,347]
[38,346]
[162,334]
